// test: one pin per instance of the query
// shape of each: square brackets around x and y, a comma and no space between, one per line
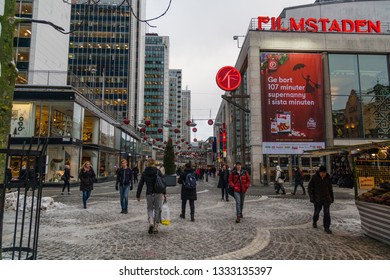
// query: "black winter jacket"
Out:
[186,194]
[124,177]
[148,177]
[320,190]
[87,178]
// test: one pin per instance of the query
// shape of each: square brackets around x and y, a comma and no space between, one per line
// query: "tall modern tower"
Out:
[186,113]
[156,103]
[175,107]
[106,53]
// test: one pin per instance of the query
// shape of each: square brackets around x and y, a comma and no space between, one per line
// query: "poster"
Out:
[292,102]
[21,120]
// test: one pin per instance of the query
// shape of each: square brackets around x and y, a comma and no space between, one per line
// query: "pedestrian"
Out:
[135,174]
[187,193]
[279,181]
[66,177]
[87,178]
[124,183]
[298,179]
[321,195]
[153,199]
[223,182]
[239,179]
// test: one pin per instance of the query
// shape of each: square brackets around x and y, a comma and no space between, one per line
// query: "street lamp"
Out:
[237,38]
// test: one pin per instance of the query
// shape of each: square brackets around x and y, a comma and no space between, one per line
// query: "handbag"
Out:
[165,217]
[63,177]
[231,191]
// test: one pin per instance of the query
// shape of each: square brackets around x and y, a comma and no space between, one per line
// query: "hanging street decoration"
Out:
[126,121]
[210,122]
[194,129]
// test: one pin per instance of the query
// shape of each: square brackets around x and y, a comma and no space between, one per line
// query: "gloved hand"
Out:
[116,187]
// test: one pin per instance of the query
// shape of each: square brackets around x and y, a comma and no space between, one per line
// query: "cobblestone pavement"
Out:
[274,227]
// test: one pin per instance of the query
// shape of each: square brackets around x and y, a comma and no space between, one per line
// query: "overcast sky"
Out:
[201,42]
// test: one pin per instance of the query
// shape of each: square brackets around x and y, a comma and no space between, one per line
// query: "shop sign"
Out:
[292,102]
[228,78]
[321,25]
[366,183]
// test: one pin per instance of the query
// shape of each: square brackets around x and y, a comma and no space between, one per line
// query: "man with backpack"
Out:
[279,180]
[188,191]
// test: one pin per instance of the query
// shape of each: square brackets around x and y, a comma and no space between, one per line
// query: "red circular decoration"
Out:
[126,121]
[158,139]
[160,130]
[182,140]
[165,142]
[176,130]
[228,78]
[187,142]
[195,139]
[194,129]
[188,123]
[142,130]
[145,138]
[210,122]
[147,122]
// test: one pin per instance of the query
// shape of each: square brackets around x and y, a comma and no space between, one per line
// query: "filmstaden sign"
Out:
[321,25]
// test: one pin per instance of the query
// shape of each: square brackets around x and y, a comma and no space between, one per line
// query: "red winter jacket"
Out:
[240,183]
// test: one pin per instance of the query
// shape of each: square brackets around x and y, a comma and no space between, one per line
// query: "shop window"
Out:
[22,123]
[61,124]
[360,96]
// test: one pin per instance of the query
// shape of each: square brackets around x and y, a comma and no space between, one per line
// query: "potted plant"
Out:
[169,164]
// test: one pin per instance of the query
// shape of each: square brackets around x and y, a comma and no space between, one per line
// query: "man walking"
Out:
[124,183]
[321,195]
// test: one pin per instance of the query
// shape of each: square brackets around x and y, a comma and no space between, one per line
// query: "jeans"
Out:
[86,195]
[154,203]
[317,210]
[124,196]
[192,206]
[225,193]
[239,197]
[66,184]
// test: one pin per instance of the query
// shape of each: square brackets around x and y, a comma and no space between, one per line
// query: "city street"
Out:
[274,227]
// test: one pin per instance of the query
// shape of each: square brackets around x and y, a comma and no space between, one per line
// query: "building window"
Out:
[360,96]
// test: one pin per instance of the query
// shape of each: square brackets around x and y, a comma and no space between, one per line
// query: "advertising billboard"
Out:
[292,102]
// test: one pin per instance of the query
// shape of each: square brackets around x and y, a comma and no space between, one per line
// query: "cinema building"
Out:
[315,77]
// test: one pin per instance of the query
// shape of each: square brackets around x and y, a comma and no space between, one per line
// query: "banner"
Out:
[292,102]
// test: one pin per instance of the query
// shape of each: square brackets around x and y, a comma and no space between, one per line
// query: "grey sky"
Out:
[201,42]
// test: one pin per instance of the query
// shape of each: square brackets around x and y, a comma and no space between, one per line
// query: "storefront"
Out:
[312,81]
[76,129]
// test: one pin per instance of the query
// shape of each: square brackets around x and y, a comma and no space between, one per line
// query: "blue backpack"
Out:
[190,181]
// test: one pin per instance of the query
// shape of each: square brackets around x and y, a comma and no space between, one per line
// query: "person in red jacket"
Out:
[240,181]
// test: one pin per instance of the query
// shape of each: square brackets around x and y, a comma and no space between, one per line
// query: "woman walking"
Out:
[223,182]
[298,179]
[153,198]
[66,177]
[87,177]
[240,181]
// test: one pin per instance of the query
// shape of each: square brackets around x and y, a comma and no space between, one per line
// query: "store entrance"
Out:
[274,160]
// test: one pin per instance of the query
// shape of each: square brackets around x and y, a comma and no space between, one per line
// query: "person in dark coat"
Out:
[153,199]
[321,195]
[66,177]
[298,178]
[239,179]
[187,194]
[124,183]
[135,174]
[87,178]
[223,182]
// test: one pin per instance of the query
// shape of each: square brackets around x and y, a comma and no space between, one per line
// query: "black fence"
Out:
[21,197]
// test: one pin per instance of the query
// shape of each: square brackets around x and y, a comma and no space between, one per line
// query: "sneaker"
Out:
[69,193]
[155,229]
[328,231]
[238,219]
[182,216]
[150,231]
[314,224]
[62,193]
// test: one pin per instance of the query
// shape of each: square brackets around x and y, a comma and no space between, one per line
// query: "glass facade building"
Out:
[156,92]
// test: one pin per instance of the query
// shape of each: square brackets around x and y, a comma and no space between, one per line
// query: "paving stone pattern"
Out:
[274,227]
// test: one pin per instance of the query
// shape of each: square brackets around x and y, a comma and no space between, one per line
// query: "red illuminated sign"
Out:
[322,25]
[228,78]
